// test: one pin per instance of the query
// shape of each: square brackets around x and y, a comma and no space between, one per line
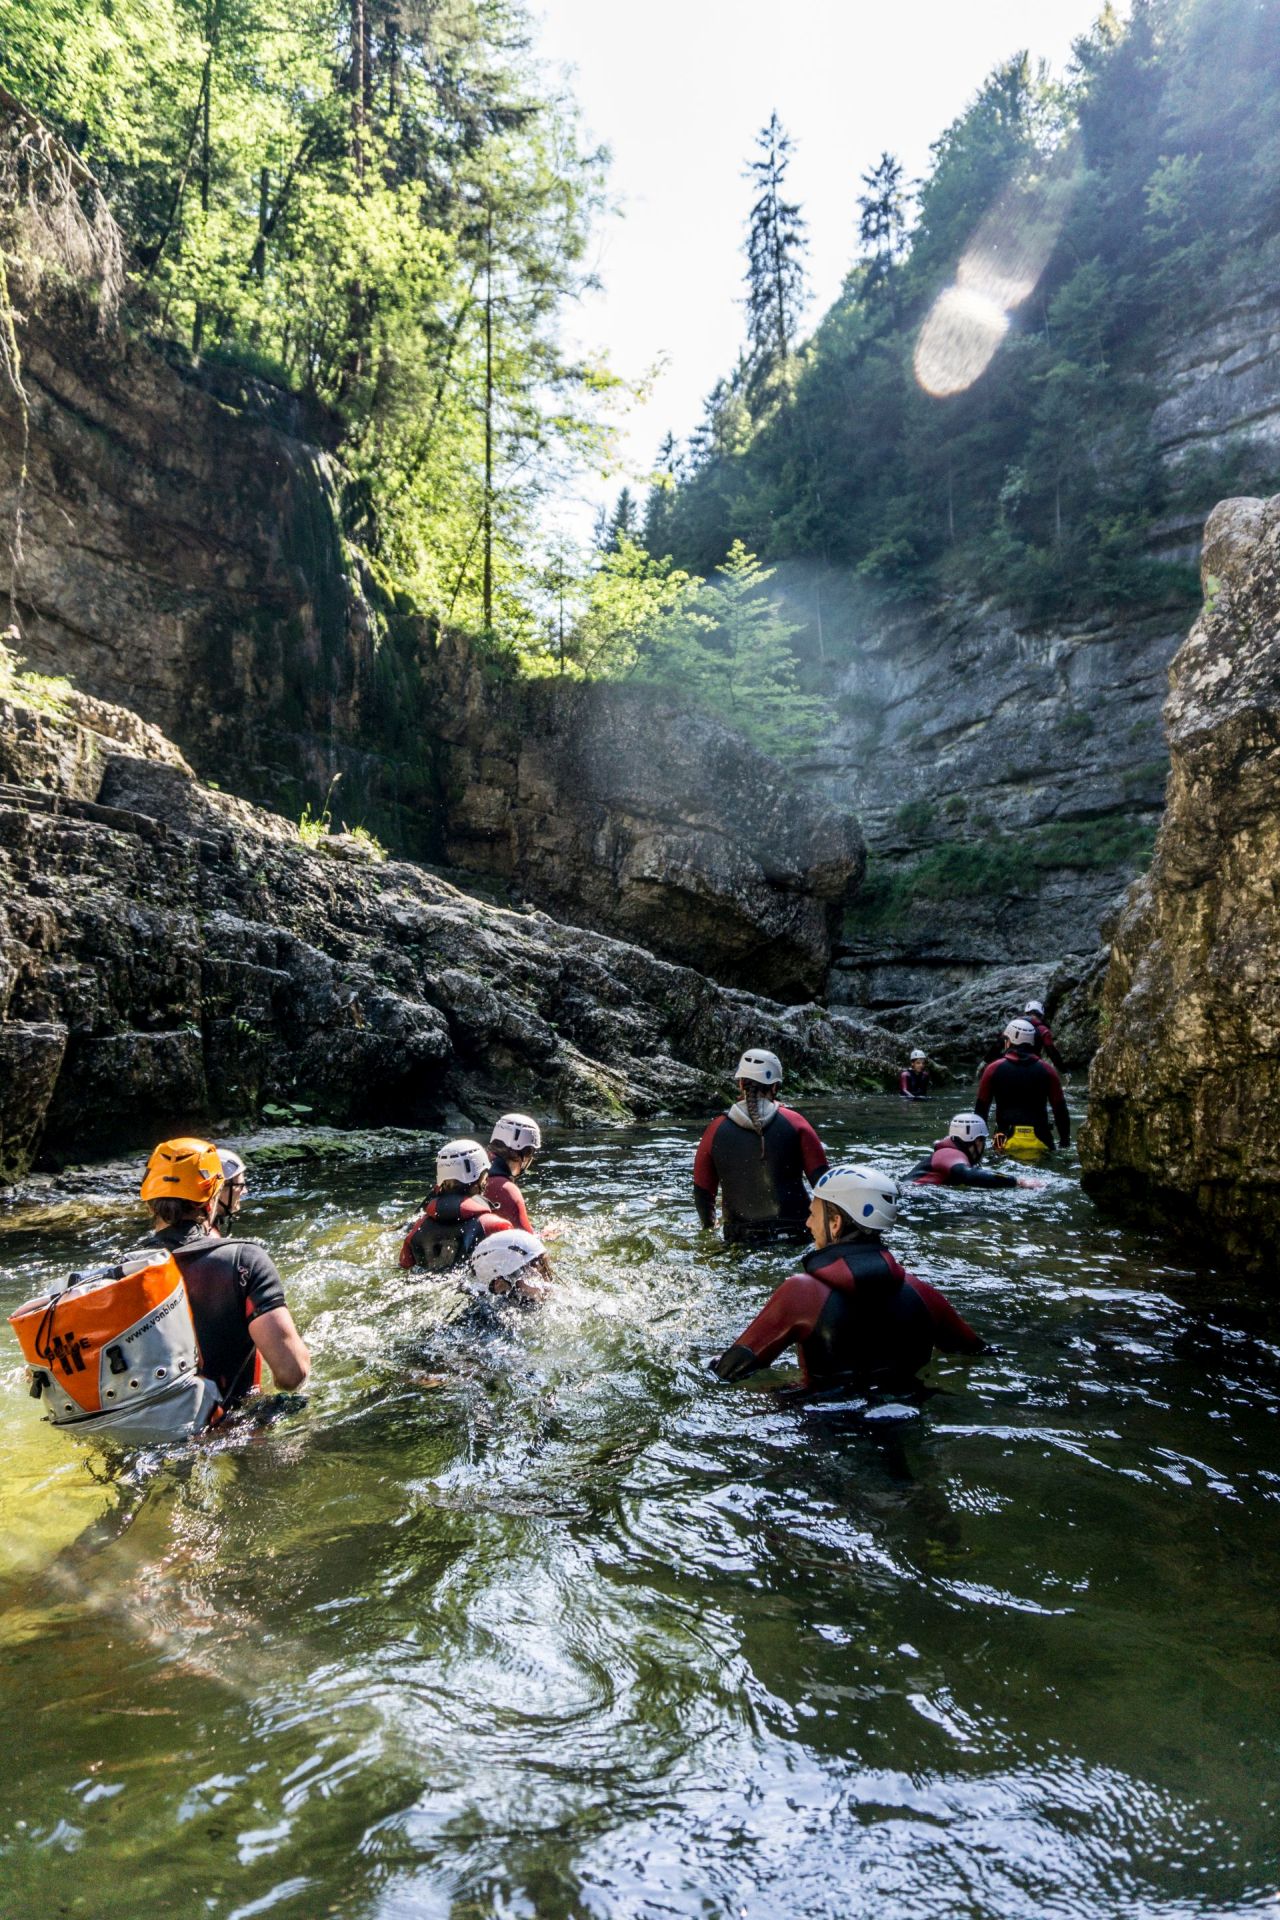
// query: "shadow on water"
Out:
[523,1615]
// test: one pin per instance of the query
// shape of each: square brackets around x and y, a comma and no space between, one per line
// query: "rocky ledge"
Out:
[171,956]
[1184,1120]
[183,555]
[640,818]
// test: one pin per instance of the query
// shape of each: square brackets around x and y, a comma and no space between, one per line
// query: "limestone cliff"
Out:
[1009,780]
[182,555]
[1184,1115]
[170,956]
[620,810]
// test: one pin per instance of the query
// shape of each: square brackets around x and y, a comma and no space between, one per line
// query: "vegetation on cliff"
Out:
[1143,186]
[383,208]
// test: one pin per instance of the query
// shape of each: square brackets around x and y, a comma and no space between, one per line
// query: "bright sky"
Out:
[677,89]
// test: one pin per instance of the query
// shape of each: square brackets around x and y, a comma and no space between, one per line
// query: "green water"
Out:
[581,1633]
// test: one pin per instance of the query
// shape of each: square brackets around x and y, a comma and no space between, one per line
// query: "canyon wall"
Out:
[172,956]
[182,554]
[1184,1115]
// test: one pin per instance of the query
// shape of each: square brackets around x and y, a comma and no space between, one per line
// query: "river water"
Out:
[531,1618]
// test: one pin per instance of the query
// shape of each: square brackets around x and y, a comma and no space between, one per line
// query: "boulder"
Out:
[1184,1122]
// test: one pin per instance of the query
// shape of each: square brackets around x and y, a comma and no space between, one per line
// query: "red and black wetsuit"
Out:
[228,1282]
[914,1085]
[1024,1089]
[467,1221]
[853,1313]
[1045,1048]
[948,1165]
[505,1197]
[760,1176]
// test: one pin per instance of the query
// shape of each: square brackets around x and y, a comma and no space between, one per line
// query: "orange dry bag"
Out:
[114,1351]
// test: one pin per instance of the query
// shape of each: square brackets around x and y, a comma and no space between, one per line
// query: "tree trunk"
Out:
[359,31]
[393,67]
[206,164]
[258,264]
[488,424]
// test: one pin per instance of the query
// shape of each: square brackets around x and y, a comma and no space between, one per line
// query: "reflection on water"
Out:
[525,1617]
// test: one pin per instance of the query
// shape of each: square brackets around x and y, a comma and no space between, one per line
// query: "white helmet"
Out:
[233,1167]
[503,1256]
[1035,1006]
[462,1160]
[968,1127]
[869,1197]
[1020,1033]
[517,1132]
[764,1068]
[918,1053]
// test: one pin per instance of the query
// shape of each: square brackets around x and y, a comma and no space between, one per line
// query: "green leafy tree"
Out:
[382,205]
[729,652]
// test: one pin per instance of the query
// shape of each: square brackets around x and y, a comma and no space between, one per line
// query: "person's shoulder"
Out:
[249,1254]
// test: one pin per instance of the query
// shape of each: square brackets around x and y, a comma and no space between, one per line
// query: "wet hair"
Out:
[836,1220]
[752,1094]
[461,1186]
[176,1213]
[840,1226]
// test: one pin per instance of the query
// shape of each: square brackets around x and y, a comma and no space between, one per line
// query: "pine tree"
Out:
[882,230]
[625,522]
[775,247]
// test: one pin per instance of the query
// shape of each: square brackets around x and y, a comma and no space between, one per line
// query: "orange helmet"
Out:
[182,1170]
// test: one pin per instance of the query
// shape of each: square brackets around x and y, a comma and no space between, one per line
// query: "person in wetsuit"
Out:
[231,1193]
[757,1157]
[1045,1049]
[456,1215]
[513,1266]
[853,1312]
[236,1294]
[913,1081]
[1023,1089]
[954,1162]
[512,1145]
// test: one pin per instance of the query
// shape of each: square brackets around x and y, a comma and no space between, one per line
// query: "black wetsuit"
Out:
[1045,1048]
[1023,1090]
[228,1282]
[760,1176]
[854,1313]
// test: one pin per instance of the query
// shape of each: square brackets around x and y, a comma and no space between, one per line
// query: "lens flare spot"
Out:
[998,270]
[958,340]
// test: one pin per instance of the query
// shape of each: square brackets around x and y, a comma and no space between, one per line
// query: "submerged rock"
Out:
[173,956]
[1184,1120]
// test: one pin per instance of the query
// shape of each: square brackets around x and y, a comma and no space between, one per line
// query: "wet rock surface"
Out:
[620,809]
[1008,780]
[1184,1119]
[173,956]
[183,557]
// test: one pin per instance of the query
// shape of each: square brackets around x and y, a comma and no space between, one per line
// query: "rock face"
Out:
[1221,389]
[170,956]
[1009,781]
[615,807]
[181,551]
[1184,1117]
[182,556]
